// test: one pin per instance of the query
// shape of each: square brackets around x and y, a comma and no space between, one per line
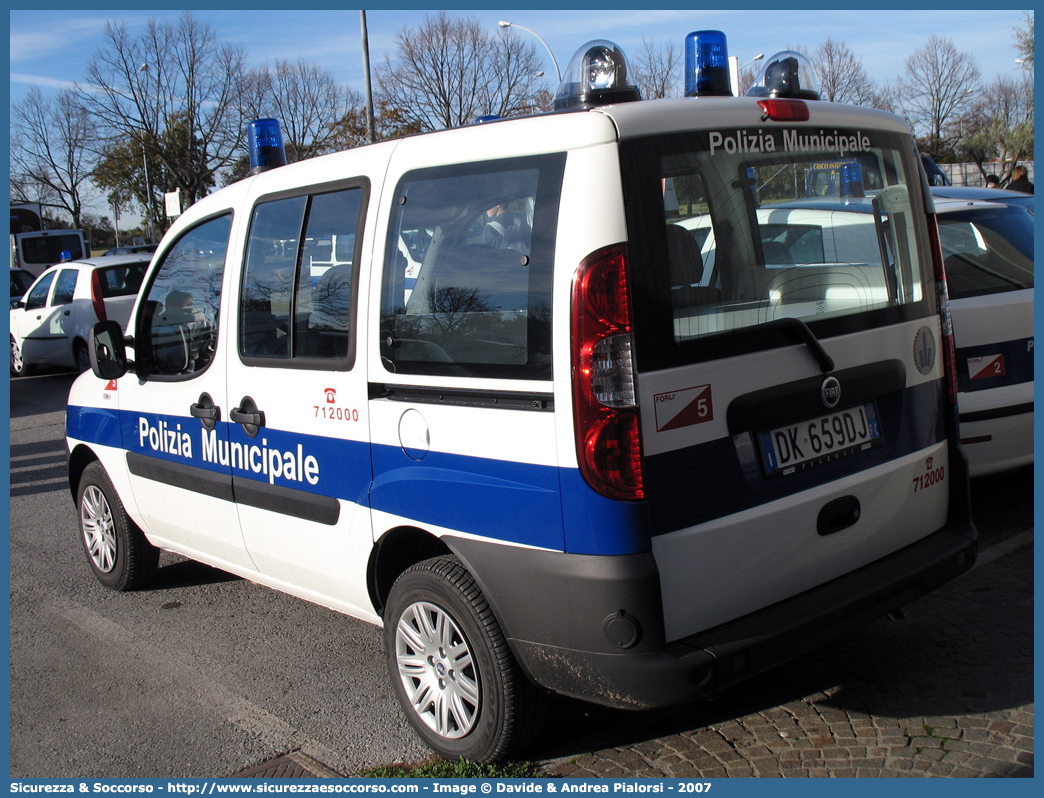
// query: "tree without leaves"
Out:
[447,72]
[51,151]
[173,74]
[842,78]
[1024,42]
[936,88]
[654,70]
[306,100]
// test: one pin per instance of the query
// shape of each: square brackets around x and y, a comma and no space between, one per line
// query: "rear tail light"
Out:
[949,350]
[605,394]
[96,295]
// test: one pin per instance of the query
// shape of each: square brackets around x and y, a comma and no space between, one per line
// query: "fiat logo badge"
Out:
[830,392]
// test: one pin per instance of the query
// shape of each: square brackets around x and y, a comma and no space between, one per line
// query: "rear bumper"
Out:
[593,633]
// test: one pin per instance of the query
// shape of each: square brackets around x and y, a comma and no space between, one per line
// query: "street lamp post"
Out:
[504,24]
[735,69]
[371,132]
[758,57]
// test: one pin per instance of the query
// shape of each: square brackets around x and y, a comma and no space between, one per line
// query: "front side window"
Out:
[745,227]
[178,321]
[38,295]
[468,270]
[297,305]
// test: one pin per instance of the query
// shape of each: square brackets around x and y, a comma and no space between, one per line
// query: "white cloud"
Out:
[40,80]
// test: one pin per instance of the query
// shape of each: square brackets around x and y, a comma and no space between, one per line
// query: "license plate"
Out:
[797,447]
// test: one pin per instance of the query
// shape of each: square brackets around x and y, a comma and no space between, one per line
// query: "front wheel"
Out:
[451,667]
[19,367]
[118,552]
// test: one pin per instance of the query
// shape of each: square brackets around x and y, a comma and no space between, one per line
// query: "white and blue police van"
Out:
[575,414]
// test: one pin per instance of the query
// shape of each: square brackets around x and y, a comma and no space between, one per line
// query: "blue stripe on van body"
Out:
[532,505]
[100,425]
[523,503]
[702,483]
[519,503]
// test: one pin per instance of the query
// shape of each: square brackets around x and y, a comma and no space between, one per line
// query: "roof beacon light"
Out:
[596,75]
[265,143]
[707,64]
[788,75]
[851,180]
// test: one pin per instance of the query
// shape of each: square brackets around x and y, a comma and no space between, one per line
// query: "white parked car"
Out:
[51,323]
[988,252]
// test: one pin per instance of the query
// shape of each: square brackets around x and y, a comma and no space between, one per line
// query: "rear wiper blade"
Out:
[794,327]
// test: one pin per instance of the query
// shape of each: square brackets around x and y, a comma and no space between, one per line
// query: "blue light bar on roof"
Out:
[707,64]
[265,143]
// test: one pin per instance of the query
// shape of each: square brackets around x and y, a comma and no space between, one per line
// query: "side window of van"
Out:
[297,302]
[178,322]
[468,270]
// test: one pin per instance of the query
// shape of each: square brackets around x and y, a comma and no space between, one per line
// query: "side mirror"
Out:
[107,350]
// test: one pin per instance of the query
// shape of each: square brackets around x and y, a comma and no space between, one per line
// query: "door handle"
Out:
[248,415]
[206,411]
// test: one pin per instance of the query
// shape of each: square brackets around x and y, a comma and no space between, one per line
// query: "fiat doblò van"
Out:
[523,425]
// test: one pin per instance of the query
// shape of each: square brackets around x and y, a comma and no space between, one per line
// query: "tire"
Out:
[83,358]
[451,667]
[117,550]
[19,368]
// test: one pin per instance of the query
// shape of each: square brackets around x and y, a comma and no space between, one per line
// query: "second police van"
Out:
[493,389]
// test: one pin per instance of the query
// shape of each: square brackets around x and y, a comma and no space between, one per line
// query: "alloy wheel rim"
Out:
[99,533]
[437,670]
[16,356]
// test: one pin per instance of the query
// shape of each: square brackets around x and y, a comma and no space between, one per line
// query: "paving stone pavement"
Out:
[946,691]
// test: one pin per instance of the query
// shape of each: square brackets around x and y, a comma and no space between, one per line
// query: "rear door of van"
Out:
[793,400]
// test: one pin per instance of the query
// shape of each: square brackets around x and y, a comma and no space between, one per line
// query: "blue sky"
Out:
[51,48]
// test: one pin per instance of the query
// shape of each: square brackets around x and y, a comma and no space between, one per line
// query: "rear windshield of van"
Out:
[730,230]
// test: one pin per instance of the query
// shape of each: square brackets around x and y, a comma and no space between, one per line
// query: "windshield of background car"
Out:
[729,224]
[20,282]
[987,250]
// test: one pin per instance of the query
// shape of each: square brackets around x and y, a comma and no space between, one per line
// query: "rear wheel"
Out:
[451,667]
[118,552]
[83,359]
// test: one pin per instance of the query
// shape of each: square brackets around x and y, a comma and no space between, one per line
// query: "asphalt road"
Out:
[206,675]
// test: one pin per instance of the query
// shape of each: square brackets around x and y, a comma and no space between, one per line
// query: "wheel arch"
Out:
[395,551]
[79,458]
